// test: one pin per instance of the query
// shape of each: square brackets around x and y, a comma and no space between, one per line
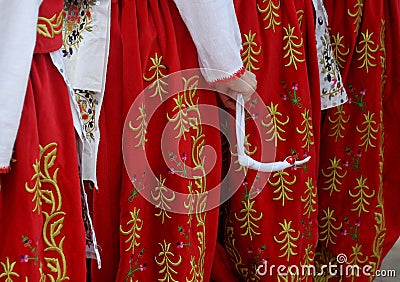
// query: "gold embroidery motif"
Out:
[274,125]
[356,256]
[49,27]
[309,198]
[272,14]
[328,228]
[308,262]
[334,176]
[162,199]
[368,131]
[338,49]
[366,52]
[141,128]
[233,253]
[292,48]
[200,181]
[133,233]
[249,219]
[380,224]
[157,77]
[357,14]
[282,186]
[249,54]
[307,130]
[54,219]
[166,262]
[383,56]
[300,15]
[361,196]
[181,118]
[338,123]
[287,240]
[8,270]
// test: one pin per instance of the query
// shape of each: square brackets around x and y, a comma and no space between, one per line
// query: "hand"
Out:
[246,85]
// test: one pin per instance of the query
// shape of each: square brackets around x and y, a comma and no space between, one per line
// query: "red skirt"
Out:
[42,232]
[279,226]
[359,188]
[138,240]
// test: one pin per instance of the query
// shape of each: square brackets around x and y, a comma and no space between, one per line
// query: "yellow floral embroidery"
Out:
[383,56]
[133,233]
[249,54]
[309,198]
[197,199]
[300,15]
[308,261]
[54,220]
[368,131]
[181,117]
[380,224]
[362,196]
[292,48]
[141,128]
[49,27]
[282,186]
[249,219]
[272,15]
[339,50]
[307,130]
[366,51]
[338,123]
[233,253]
[158,83]
[334,176]
[357,14]
[287,240]
[8,270]
[162,200]
[328,228]
[274,124]
[166,262]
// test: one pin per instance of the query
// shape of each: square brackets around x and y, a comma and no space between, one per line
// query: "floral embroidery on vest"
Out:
[77,20]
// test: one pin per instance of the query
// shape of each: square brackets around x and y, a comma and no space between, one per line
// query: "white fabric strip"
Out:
[216,34]
[245,160]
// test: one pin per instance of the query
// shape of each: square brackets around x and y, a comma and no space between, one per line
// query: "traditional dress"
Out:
[288,49]
[41,227]
[358,182]
[140,241]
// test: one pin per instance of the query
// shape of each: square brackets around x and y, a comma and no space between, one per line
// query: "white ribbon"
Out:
[245,160]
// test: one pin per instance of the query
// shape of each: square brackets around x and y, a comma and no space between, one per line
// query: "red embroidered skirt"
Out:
[41,229]
[359,185]
[138,240]
[279,226]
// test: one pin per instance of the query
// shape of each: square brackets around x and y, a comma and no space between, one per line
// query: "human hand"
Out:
[246,84]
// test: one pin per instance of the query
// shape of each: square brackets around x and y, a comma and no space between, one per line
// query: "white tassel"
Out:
[247,161]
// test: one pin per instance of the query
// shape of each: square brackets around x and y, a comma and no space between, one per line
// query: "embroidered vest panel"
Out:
[49,27]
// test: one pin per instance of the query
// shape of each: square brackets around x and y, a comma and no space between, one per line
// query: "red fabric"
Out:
[50,22]
[222,271]
[358,185]
[109,166]
[51,239]
[147,28]
[255,230]
[391,116]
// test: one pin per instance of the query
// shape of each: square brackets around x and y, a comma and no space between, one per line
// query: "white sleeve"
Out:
[215,32]
[18,21]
